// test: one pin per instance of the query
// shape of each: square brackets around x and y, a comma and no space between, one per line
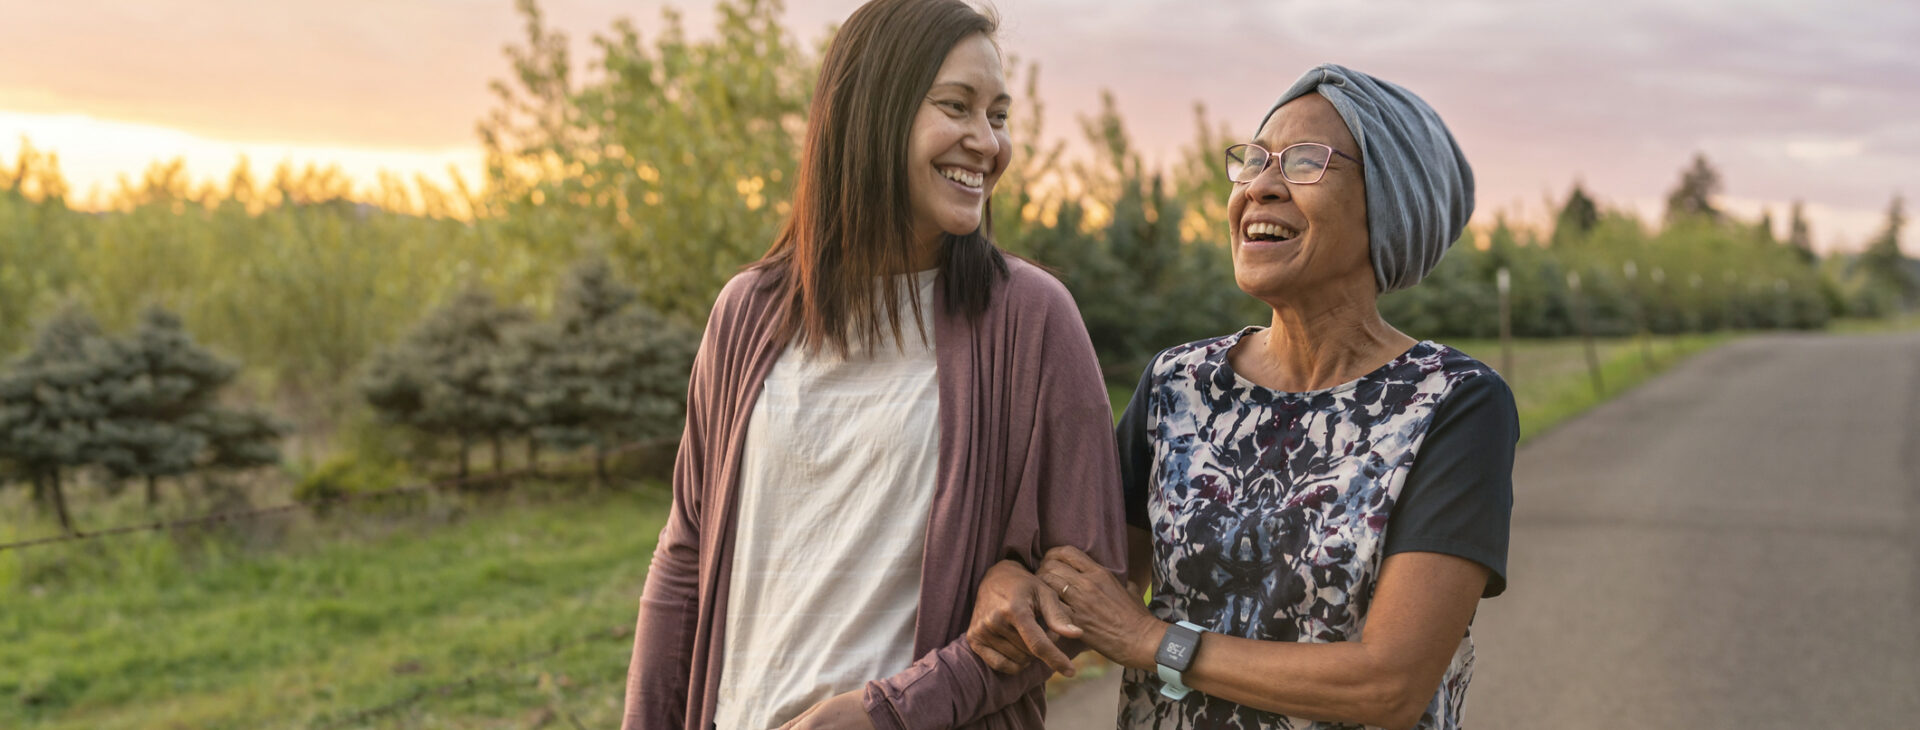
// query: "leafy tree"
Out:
[1141,284]
[677,158]
[1028,189]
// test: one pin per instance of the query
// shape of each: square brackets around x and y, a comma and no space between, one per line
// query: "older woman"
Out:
[1317,505]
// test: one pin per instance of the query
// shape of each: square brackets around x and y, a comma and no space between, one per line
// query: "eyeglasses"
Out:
[1301,164]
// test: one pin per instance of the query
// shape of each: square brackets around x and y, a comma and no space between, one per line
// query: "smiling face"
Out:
[1291,241]
[958,146]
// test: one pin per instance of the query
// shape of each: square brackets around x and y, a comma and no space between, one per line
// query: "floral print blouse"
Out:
[1272,512]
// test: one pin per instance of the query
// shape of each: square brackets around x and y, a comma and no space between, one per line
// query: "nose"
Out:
[1269,185]
[980,139]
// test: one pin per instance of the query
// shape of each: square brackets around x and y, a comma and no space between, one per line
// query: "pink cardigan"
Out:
[1027,463]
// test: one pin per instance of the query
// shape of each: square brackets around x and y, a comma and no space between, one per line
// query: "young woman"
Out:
[882,408]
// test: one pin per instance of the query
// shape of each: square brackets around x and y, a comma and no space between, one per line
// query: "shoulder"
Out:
[1029,287]
[1191,359]
[1441,370]
[1465,384]
[747,296]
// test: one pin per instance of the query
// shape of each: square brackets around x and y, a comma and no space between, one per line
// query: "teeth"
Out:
[964,177]
[1270,229]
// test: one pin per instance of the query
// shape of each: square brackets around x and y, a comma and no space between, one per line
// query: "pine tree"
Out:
[612,371]
[1578,217]
[1885,267]
[1763,230]
[165,381]
[53,402]
[1799,235]
[237,439]
[447,377]
[1693,197]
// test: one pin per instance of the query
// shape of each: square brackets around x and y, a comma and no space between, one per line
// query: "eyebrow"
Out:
[971,91]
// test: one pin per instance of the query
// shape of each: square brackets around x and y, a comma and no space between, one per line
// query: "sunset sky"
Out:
[1819,102]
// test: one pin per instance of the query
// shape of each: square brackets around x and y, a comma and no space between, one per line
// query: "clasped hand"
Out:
[1076,598]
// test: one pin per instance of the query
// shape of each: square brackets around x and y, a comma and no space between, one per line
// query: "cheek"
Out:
[924,141]
[1236,203]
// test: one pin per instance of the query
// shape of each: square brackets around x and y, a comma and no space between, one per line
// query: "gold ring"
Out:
[1064,589]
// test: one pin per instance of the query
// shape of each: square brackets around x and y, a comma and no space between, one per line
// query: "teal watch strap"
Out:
[1177,647]
[1170,686]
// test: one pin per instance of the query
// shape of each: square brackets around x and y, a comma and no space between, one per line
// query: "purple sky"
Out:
[1790,100]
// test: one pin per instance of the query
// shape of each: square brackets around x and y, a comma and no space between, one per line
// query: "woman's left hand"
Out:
[844,711]
[1111,621]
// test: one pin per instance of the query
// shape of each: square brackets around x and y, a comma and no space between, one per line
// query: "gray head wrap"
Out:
[1419,188]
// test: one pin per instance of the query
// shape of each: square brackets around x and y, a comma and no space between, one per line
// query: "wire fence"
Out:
[327,501]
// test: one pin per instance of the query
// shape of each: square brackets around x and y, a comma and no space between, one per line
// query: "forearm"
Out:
[658,674]
[1420,611]
[949,687]
[1347,682]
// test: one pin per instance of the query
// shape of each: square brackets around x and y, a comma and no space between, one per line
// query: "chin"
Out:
[961,225]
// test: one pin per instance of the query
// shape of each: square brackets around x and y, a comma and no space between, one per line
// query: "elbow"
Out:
[1386,693]
[1398,703]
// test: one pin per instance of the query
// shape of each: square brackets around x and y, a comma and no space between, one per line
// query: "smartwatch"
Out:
[1176,654]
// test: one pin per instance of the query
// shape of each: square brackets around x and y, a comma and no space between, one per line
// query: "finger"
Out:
[1058,618]
[1041,647]
[998,661]
[1056,580]
[1075,559]
[1005,643]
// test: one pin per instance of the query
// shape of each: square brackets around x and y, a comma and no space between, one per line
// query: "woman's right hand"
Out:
[1006,630]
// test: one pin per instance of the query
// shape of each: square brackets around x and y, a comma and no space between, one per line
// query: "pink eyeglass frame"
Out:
[1271,156]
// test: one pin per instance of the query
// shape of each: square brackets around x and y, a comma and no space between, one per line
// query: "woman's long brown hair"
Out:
[852,223]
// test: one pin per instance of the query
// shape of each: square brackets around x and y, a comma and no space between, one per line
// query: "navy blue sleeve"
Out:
[1458,497]
[1136,450]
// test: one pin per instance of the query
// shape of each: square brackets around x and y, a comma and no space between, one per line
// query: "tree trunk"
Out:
[465,448]
[533,456]
[153,491]
[499,458]
[60,504]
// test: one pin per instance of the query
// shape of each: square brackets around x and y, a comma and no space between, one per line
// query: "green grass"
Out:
[449,615]
[1550,379]
[193,637]
[1897,323]
[1552,383]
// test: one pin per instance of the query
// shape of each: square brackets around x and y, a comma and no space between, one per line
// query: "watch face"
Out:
[1176,649]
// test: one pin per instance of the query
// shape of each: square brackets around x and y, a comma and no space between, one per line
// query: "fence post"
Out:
[1504,281]
[1586,332]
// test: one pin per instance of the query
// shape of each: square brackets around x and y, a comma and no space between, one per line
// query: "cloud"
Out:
[1789,99]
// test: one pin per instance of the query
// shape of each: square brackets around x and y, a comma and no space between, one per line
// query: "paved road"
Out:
[1735,544]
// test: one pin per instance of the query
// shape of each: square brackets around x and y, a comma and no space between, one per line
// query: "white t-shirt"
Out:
[836,484]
